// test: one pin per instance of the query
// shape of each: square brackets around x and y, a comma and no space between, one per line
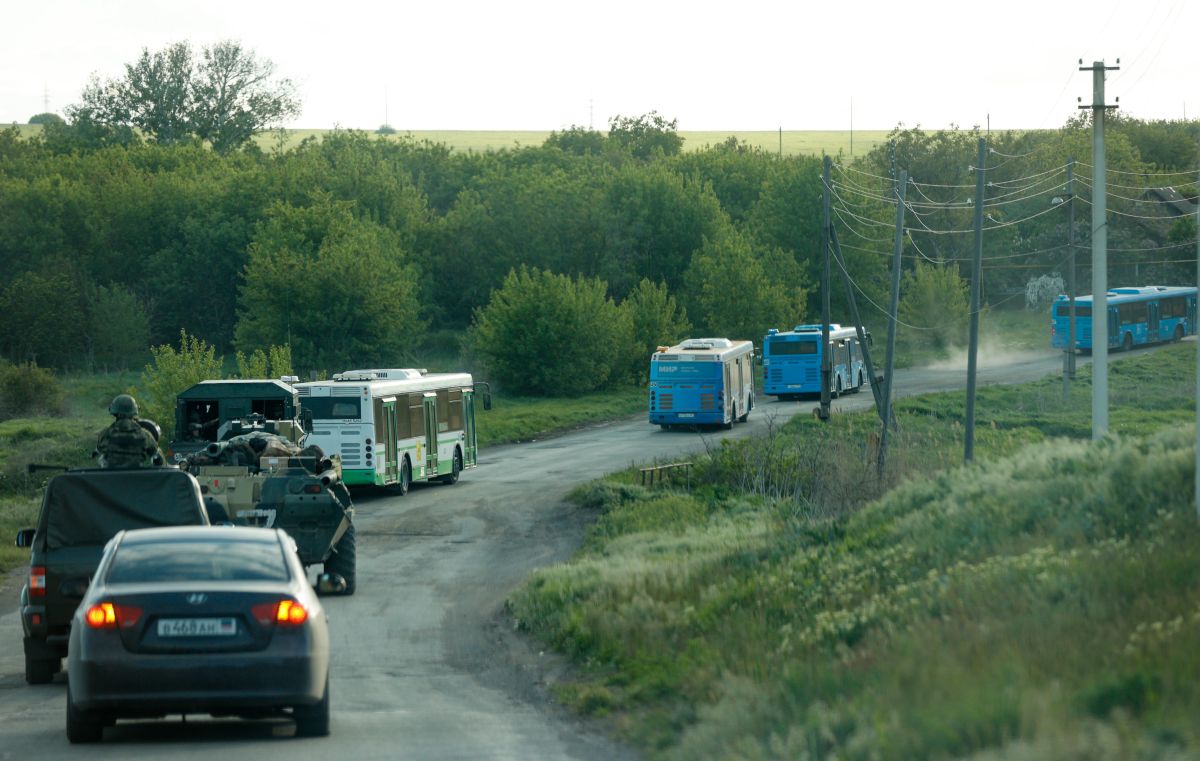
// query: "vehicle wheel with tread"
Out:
[455,468]
[82,726]
[860,383]
[344,560]
[41,670]
[313,720]
[1178,335]
[1127,342]
[401,487]
[837,394]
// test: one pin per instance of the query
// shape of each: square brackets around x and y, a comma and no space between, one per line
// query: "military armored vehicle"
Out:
[259,473]
[206,412]
[81,511]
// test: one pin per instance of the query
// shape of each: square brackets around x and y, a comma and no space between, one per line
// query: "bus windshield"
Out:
[780,346]
[334,407]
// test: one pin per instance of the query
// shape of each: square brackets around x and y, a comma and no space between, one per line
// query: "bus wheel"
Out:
[1127,343]
[837,394]
[455,469]
[1178,333]
[402,485]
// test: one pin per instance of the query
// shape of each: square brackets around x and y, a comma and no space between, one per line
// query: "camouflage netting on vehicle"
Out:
[248,450]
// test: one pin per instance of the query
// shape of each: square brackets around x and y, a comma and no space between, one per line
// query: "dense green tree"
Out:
[224,97]
[46,118]
[172,372]
[580,141]
[338,289]
[736,172]
[118,328]
[934,306]
[647,136]
[656,320]
[552,335]
[656,220]
[41,317]
[735,292]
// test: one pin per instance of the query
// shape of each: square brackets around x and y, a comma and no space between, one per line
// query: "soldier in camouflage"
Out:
[128,442]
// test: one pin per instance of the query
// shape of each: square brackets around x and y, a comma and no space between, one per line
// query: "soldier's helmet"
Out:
[123,405]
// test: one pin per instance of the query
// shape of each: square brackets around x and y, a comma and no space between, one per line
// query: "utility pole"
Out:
[893,311]
[1100,336]
[826,366]
[1197,351]
[1069,352]
[976,277]
[864,344]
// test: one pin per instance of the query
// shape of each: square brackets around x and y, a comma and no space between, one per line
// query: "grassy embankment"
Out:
[1039,604]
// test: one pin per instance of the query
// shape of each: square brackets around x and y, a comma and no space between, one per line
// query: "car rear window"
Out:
[139,562]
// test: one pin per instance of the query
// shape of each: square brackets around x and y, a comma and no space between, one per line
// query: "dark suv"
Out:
[81,511]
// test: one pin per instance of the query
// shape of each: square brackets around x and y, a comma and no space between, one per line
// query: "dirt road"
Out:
[424,665]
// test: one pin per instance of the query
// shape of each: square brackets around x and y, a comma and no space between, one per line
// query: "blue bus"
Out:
[702,381]
[1136,316]
[792,361]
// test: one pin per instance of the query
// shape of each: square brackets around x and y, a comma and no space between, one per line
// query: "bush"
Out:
[28,390]
[656,320]
[173,372]
[934,300]
[553,335]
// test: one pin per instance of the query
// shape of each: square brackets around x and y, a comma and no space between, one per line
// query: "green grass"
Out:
[1039,604]
[522,419]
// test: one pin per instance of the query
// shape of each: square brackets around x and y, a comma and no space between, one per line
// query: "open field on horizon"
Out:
[789,142]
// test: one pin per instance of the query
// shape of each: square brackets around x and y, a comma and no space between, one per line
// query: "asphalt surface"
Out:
[425,664]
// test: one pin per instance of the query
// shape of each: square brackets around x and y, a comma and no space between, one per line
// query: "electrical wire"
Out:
[1186,173]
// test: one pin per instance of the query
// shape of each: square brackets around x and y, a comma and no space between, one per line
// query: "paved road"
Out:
[425,666]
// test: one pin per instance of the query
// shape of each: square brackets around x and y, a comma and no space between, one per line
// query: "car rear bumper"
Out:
[162,684]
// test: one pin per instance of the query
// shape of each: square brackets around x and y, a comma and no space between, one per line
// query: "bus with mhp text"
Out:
[702,381]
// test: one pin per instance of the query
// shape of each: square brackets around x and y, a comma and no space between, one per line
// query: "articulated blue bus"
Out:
[1136,316]
[792,361]
[702,381]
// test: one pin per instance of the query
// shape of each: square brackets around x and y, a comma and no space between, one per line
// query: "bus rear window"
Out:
[334,407]
[1081,310]
[779,347]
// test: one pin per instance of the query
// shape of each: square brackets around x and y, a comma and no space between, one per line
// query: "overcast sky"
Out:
[744,65]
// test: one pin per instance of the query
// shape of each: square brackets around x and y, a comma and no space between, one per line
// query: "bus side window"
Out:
[416,415]
[455,417]
[403,429]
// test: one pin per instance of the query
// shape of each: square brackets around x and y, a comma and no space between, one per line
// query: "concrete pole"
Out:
[1100,337]
[1193,327]
[976,277]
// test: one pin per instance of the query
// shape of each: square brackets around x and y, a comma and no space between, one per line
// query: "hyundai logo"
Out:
[197,598]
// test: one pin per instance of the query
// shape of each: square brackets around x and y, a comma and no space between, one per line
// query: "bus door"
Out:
[729,392]
[1152,321]
[1114,326]
[388,434]
[1191,315]
[431,433]
[472,447]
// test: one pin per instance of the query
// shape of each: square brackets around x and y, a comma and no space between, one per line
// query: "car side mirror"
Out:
[484,389]
[25,537]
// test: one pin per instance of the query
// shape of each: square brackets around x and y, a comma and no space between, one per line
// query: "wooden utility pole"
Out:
[976,277]
[893,314]
[826,364]
[1069,353]
[1100,336]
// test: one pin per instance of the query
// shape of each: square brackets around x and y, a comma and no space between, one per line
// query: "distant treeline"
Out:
[352,249]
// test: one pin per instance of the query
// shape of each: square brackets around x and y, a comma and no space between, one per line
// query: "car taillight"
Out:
[106,615]
[37,581]
[284,613]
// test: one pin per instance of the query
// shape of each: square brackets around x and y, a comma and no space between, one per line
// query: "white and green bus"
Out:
[392,427]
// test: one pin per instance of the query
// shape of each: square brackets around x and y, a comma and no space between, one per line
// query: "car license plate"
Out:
[197,627]
[687,414]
